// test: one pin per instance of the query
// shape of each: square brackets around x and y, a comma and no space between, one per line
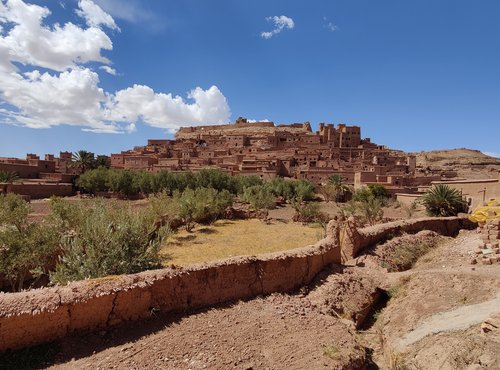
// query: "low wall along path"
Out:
[42,315]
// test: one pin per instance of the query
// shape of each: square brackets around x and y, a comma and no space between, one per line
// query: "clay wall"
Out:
[40,190]
[355,240]
[24,171]
[38,316]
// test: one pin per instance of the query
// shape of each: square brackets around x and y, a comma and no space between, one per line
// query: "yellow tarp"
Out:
[491,211]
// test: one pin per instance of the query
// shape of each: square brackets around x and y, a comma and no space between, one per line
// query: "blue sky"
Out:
[415,75]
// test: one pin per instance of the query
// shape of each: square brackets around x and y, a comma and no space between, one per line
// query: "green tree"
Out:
[94,181]
[201,205]
[26,249]
[123,182]
[259,197]
[442,200]
[240,183]
[282,188]
[304,190]
[102,161]
[83,160]
[340,188]
[364,193]
[308,212]
[8,176]
[216,179]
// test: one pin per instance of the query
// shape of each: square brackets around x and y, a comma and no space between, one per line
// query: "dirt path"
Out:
[460,318]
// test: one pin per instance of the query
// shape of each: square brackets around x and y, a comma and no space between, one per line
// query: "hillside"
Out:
[467,163]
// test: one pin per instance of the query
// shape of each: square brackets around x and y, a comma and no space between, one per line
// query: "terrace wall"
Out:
[40,190]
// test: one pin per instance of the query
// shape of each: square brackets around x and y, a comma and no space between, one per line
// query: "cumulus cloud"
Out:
[109,70]
[280,23]
[30,43]
[329,25]
[94,15]
[69,93]
[167,111]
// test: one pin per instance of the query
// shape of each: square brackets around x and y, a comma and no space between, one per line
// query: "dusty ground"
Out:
[432,321]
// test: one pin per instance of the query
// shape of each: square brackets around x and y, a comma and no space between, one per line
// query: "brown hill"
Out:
[468,163]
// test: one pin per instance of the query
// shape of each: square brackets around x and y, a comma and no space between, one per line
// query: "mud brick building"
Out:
[39,178]
[267,150]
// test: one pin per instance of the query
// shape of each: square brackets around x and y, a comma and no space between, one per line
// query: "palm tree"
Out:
[83,160]
[339,186]
[442,200]
[8,176]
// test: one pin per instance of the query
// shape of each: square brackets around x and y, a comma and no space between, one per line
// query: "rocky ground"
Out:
[468,163]
[442,313]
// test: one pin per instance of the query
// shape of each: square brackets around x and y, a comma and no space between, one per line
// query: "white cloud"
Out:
[94,15]
[60,47]
[167,111]
[71,95]
[330,26]
[280,23]
[109,70]
[255,120]
[133,11]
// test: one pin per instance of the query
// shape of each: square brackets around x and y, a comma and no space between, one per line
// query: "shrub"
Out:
[94,181]
[408,251]
[282,188]
[240,183]
[105,240]
[123,182]
[259,197]
[201,205]
[308,212]
[26,249]
[372,191]
[303,190]
[442,200]
[368,211]
[216,179]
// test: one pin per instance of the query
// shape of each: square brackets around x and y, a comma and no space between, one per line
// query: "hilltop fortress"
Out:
[261,149]
[267,150]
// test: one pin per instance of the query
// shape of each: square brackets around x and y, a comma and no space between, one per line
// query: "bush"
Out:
[368,211]
[94,181]
[364,193]
[201,205]
[336,189]
[240,183]
[308,212]
[291,190]
[259,197]
[26,249]
[105,240]
[442,200]
[123,182]
[304,190]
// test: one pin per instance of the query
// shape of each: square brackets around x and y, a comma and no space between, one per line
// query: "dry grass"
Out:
[236,238]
